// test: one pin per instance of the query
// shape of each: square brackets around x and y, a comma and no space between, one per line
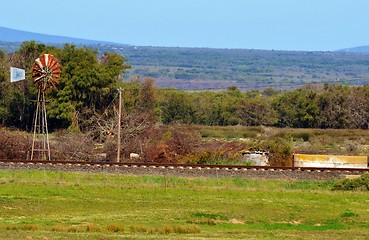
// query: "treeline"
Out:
[87,95]
[327,106]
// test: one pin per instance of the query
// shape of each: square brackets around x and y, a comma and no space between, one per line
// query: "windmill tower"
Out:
[45,74]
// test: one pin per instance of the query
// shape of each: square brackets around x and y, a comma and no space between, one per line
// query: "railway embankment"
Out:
[188,171]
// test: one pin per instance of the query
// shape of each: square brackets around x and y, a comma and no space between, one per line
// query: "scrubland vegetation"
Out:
[166,125]
[194,144]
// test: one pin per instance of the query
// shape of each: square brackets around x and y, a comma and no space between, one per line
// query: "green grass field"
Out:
[58,205]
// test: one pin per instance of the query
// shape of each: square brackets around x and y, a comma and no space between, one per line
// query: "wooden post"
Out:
[119,120]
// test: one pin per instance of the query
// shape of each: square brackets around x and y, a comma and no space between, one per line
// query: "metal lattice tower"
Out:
[45,74]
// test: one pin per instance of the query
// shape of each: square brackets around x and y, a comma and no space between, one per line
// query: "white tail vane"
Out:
[17,74]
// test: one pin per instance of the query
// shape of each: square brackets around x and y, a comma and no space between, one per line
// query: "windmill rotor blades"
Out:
[45,72]
[38,78]
[39,63]
[35,71]
[44,58]
[54,64]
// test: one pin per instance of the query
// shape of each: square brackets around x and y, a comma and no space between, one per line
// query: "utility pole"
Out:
[119,120]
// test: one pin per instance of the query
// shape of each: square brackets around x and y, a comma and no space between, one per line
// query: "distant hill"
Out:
[359,49]
[12,35]
[217,69]
[247,69]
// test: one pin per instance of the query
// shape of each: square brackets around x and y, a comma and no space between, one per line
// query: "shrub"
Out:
[135,228]
[249,135]
[115,228]
[357,184]
[29,227]
[178,229]
[348,214]
[351,146]
[305,136]
[59,228]
[91,227]
[203,221]
[186,229]
[72,229]
[280,150]
[13,144]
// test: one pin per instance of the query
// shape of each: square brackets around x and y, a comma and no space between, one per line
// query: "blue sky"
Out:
[312,25]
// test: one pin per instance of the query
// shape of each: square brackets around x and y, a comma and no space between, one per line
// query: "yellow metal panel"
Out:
[362,160]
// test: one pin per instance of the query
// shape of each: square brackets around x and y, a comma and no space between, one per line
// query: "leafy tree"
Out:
[3,87]
[204,108]
[256,111]
[87,85]
[270,92]
[176,106]
[359,107]
[147,96]
[297,108]
[334,107]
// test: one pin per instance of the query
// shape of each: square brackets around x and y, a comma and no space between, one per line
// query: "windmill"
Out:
[45,74]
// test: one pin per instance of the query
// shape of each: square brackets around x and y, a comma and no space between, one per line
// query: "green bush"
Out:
[357,184]
[280,150]
[249,134]
[349,214]
[305,136]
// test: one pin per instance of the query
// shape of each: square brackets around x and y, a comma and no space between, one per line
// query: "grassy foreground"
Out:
[58,205]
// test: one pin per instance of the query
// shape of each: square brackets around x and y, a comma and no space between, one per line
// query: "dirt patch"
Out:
[236,221]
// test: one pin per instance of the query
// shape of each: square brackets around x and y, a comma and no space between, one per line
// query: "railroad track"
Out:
[187,170]
[188,166]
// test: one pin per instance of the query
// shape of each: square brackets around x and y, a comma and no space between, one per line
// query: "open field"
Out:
[58,205]
[304,140]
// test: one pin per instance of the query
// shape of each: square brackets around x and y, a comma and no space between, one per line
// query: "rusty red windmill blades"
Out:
[46,71]
[54,63]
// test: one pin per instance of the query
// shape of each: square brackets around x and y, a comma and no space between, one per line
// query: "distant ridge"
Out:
[12,35]
[359,49]
[219,69]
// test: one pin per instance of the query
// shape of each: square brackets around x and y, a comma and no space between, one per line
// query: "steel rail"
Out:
[188,166]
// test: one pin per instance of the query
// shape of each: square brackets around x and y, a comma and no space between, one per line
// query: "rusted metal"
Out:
[45,72]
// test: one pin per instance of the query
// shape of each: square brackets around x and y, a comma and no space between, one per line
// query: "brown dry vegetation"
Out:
[176,143]
[13,144]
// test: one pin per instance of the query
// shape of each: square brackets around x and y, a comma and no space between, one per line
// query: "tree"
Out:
[359,107]
[256,111]
[176,106]
[147,96]
[334,107]
[298,108]
[3,86]
[87,86]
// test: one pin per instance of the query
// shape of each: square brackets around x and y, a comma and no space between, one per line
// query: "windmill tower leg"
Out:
[40,141]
